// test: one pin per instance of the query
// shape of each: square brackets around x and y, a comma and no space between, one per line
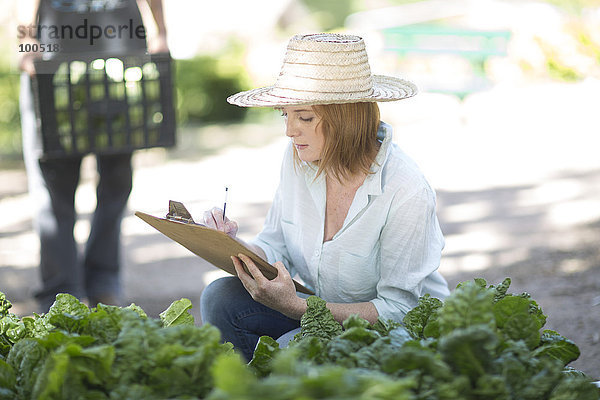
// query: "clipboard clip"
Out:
[178,213]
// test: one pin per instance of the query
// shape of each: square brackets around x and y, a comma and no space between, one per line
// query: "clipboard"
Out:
[212,245]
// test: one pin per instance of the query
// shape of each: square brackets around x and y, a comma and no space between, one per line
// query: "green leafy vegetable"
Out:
[73,352]
[318,321]
[500,290]
[8,381]
[480,343]
[5,305]
[558,347]
[469,351]
[470,304]
[423,317]
[177,314]
[266,349]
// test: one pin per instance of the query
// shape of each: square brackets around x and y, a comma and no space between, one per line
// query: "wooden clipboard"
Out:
[214,246]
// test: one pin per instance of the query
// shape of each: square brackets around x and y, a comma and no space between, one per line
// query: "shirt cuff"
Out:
[394,311]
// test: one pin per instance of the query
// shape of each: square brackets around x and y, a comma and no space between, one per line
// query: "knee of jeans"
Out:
[285,339]
[214,299]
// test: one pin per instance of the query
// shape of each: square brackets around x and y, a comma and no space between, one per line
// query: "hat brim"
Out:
[385,88]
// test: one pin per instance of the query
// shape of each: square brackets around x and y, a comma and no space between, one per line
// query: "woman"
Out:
[353,216]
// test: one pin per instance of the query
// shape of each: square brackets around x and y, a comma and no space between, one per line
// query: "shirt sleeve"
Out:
[411,246]
[271,239]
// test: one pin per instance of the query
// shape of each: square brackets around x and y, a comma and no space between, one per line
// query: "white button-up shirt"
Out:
[388,249]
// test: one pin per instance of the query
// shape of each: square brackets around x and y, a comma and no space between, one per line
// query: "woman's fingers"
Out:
[242,274]
[255,282]
[213,218]
[217,215]
[231,228]
[252,268]
[282,272]
[208,220]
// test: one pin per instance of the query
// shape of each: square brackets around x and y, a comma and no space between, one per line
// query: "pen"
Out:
[225,203]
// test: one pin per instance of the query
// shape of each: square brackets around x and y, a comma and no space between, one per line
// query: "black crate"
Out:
[104,105]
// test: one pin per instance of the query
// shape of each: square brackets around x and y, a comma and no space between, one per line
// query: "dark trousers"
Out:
[226,304]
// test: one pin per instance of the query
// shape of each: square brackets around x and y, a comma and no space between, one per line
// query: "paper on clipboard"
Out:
[214,246]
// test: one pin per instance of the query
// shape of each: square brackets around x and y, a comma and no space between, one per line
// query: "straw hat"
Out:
[325,68]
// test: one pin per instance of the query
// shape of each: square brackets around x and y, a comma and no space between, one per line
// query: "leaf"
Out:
[48,384]
[177,313]
[67,313]
[232,377]
[265,350]
[385,326]
[491,387]
[354,321]
[557,347]
[469,351]
[575,388]
[5,305]
[514,318]
[508,307]
[68,322]
[421,315]
[362,336]
[318,321]
[310,348]
[26,357]
[470,304]
[12,328]
[8,378]
[523,327]
[525,376]
[66,303]
[413,357]
[137,309]
[501,289]
[536,310]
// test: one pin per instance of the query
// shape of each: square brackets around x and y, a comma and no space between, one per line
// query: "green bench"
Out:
[474,45]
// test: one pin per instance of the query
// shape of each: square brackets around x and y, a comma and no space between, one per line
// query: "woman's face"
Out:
[302,126]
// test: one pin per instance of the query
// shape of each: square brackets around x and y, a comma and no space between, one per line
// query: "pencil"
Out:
[225,203]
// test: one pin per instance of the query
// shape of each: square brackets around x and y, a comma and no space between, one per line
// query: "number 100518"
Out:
[34,48]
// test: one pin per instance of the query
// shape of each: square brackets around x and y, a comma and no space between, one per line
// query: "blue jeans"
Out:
[226,304]
[52,186]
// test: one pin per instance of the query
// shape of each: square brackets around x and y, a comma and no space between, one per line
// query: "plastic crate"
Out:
[104,105]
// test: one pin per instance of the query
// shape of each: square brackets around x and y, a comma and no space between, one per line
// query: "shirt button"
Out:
[317,253]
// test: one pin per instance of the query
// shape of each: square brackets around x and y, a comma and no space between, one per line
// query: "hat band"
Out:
[309,95]
[326,58]
[325,86]
[326,72]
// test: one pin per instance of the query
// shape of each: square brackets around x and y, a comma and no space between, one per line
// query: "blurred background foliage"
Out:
[331,15]
[10,137]
[573,6]
[202,83]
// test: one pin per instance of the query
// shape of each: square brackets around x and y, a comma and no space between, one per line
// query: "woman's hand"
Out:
[214,219]
[278,294]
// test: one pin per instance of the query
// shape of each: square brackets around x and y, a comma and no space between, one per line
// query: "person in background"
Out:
[353,217]
[53,182]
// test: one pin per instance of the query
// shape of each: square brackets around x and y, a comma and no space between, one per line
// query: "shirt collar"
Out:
[374,182]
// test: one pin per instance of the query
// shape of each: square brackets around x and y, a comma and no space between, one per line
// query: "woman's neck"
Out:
[349,181]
